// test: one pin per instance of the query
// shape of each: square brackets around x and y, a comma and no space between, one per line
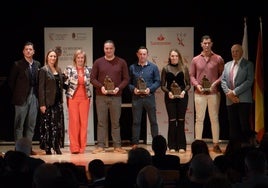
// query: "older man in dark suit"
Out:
[237,81]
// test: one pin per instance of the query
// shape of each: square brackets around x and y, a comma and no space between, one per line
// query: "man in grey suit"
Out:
[237,81]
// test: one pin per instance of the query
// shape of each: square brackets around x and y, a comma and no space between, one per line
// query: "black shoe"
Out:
[58,151]
[48,151]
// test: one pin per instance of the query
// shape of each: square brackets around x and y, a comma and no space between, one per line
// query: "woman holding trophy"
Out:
[175,83]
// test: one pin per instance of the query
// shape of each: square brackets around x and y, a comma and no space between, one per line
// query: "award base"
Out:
[142,92]
[176,96]
[110,92]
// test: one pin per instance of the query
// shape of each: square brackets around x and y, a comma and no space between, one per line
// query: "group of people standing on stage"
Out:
[35,87]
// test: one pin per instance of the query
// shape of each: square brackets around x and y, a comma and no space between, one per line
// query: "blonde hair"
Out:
[78,52]
[181,60]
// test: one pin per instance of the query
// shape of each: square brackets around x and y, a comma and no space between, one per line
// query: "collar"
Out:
[146,63]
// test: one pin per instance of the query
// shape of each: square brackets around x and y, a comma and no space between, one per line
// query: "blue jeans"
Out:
[25,118]
[138,103]
[111,104]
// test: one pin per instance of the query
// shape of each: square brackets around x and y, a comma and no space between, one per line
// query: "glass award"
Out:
[108,85]
[206,84]
[141,85]
[175,89]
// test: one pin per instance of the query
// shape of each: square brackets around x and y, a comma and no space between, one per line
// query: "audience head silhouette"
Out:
[159,145]
[199,146]
[149,177]
[201,168]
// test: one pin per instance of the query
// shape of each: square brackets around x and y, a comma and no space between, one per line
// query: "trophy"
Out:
[175,89]
[109,85]
[141,85]
[206,84]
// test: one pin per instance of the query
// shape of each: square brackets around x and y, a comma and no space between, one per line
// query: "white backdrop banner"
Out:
[67,41]
[159,41]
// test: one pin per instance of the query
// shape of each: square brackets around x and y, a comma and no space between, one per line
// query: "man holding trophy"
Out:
[144,81]
[109,76]
[205,74]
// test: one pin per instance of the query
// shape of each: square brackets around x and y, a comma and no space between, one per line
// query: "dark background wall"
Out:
[125,22]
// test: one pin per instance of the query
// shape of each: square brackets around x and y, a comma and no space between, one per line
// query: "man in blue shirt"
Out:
[149,74]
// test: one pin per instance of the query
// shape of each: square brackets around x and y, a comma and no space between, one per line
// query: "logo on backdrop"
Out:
[180,38]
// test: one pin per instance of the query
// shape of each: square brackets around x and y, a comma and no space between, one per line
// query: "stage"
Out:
[109,157]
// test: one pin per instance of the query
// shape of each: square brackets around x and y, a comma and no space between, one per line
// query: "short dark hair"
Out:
[205,37]
[109,41]
[142,48]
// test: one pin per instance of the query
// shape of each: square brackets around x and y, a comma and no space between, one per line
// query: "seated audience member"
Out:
[25,145]
[72,174]
[149,177]
[16,172]
[255,165]
[200,170]
[197,146]
[47,175]
[160,159]
[96,170]
[231,162]
[138,158]
[119,175]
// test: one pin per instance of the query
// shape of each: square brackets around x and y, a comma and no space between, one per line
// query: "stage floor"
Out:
[109,157]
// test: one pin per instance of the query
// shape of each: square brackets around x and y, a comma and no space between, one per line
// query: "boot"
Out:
[48,151]
[58,151]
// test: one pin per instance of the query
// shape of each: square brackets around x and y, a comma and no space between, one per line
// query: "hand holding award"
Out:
[206,85]
[109,85]
[141,85]
[175,89]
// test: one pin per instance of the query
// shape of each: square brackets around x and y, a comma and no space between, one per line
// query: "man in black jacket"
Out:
[23,84]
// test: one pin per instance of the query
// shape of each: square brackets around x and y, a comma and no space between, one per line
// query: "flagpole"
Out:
[260,26]
[245,40]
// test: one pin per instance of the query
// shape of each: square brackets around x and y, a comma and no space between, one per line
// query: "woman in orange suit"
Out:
[78,95]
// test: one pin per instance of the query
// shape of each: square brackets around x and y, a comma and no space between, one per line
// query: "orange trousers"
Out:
[78,109]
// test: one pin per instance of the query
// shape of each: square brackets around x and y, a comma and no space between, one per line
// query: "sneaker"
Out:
[119,150]
[98,150]
[181,150]
[172,151]
[217,149]
[134,146]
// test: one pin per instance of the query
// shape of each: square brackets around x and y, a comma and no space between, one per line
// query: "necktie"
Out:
[232,75]
[32,74]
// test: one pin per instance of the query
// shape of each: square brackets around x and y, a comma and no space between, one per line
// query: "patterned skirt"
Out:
[52,127]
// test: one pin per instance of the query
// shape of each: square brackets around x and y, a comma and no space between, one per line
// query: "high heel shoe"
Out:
[48,151]
[58,151]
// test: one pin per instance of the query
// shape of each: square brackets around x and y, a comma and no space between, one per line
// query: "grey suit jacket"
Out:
[243,81]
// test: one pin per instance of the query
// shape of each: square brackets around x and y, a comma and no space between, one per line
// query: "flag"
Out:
[259,89]
[245,40]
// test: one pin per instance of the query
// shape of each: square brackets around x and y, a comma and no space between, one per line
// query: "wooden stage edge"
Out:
[109,157]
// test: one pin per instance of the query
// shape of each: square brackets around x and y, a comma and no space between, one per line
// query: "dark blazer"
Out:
[47,87]
[243,81]
[19,80]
